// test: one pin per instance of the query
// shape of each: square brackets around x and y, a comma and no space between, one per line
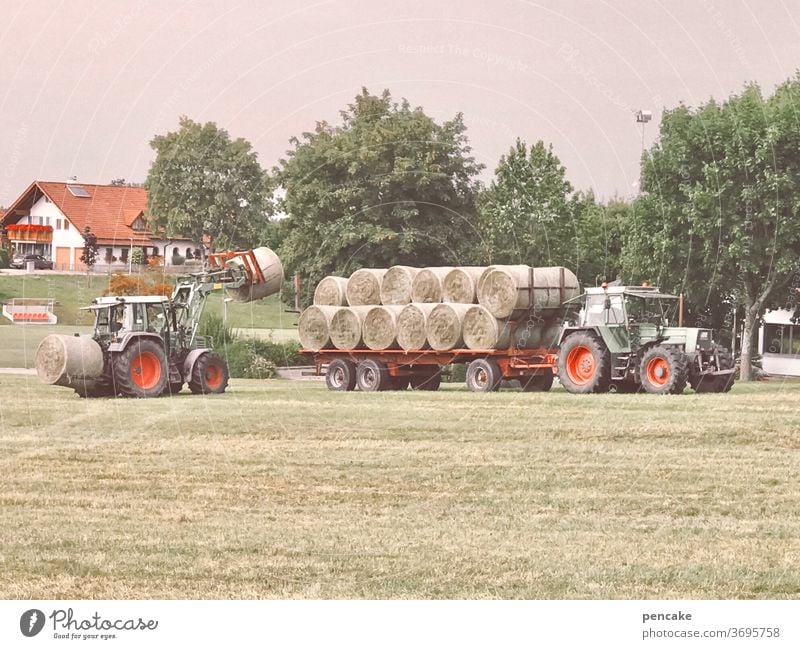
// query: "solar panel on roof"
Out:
[78,190]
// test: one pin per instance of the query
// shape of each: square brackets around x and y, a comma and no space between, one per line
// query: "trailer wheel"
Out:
[539,382]
[483,375]
[209,375]
[584,365]
[427,379]
[664,370]
[140,370]
[372,376]
[341,375]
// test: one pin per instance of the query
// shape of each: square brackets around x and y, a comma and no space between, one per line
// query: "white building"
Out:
[779,344]
[50,217]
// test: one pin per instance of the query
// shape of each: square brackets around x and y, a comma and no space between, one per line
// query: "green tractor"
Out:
[622,340]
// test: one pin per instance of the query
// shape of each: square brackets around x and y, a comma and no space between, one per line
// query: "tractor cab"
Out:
[626,306]
[116,317]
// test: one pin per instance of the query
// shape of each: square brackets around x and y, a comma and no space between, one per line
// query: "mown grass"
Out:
[73,292]
[279,490]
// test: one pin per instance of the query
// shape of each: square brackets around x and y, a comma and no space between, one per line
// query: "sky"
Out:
[85,85]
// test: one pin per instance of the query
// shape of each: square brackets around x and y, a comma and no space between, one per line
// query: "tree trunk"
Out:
[750,320]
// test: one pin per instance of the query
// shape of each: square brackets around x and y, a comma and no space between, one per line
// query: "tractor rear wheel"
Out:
[540,382]
[140,370]
[664,370]
[484,375]
[723,383]
[209,375]
[341,375]
[584,365]
[428,379]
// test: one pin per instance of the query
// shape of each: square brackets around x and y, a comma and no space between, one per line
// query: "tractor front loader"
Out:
[147,345]
[622,340]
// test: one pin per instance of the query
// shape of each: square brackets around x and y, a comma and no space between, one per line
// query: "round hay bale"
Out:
[510,291]
[445,326]
[380,327]
[314,327]
[68,360]
[396,285]
[412,331]
[483,331]
[461,284]
[364,286]
[271,268]
[428,284]
[346,329]
[331,291]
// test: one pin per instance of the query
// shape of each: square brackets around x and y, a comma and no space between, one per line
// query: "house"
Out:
[49,218]
[779,343]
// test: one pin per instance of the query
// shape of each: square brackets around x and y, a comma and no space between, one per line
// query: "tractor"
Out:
[148,345]
[621,339]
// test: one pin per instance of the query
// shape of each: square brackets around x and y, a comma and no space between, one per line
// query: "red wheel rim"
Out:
[213,376]
[581,366]
[146,370]
[658,371]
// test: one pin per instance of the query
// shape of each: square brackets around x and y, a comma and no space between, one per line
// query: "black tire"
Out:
[372,376]
[723,383]
[428,379]
[584,364]
[626,387]
[484,375]
[400,382]
[341,375]
[209,375]
[664,370]
[542,381]
[140,370]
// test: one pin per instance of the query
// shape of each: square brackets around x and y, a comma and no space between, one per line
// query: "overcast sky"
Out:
[85,85]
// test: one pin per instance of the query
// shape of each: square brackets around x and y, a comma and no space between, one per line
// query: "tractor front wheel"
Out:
[140,370]
[664,370]
[584,365]
[209,375]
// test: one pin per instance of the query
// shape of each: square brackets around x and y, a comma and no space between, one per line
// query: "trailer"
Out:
[398,369]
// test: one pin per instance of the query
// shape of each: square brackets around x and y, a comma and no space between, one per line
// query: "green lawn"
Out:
[283,489]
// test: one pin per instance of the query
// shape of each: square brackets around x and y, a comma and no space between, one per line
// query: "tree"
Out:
[718,215]
[203,184]
[387,186]
[525,216]
[89,254]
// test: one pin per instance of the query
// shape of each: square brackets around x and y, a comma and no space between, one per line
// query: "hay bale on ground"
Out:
[481,330]
[428,284]
[379,329]
[412,330]
[364,286]
[445,326]
[346,329]
[314,327]
[511,291]
[331,291]
[461,284]
[396,285]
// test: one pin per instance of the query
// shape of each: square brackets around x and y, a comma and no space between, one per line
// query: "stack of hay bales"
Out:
[439,308]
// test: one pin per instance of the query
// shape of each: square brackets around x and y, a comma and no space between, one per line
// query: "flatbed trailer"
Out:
[397,369]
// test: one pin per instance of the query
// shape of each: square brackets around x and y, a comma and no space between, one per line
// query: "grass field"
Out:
[282,489]
[71,293]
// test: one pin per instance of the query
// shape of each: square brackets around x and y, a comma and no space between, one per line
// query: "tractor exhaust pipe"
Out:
[680,309]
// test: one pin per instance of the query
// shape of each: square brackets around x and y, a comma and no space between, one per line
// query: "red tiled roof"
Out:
[109,210]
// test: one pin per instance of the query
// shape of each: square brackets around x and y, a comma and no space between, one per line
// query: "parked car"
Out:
[40,263]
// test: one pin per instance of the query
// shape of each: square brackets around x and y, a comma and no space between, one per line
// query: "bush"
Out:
[254,358]
[155,261]
[213,325]
[4,258]
[121,284]
[137,256]
[177,260]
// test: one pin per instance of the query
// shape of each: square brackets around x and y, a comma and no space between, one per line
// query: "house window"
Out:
[188,253]
[58,224]
[138,224]
[155,251]
[782,339]
[41,220]
[124,255]
[109,255]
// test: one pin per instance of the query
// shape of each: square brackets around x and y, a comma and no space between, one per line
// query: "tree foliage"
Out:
[389,185]
[718,215]
[203,184]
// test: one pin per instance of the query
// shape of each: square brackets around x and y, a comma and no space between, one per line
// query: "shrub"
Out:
[121,284]
[213,325]
[4,258]
[253,358]
[155,261]
[137,256]
[177,260]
